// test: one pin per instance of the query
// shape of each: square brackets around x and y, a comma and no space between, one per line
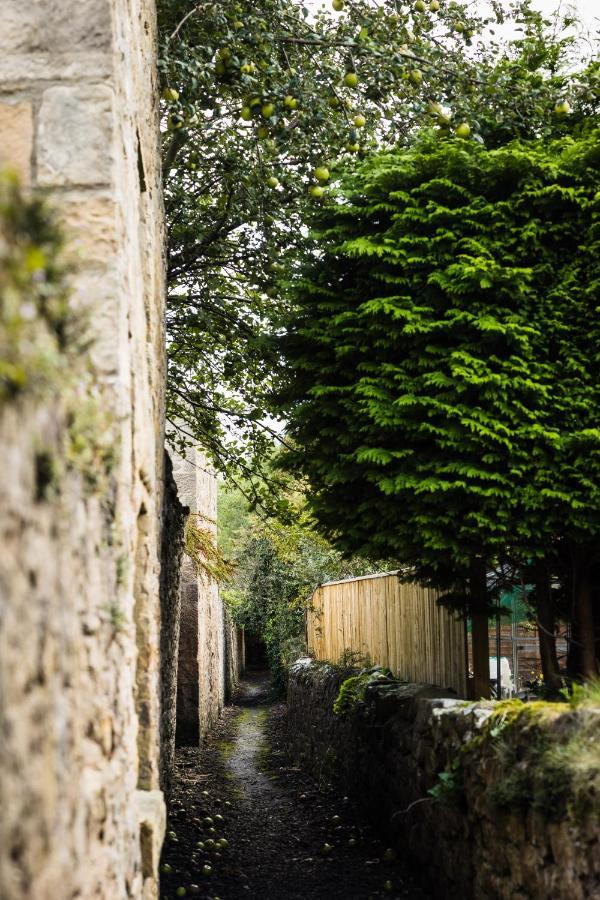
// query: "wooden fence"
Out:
[392,623]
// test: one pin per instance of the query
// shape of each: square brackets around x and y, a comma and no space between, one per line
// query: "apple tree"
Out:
[263,105]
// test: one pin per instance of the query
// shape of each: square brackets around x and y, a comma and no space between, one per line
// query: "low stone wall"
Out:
[516,811]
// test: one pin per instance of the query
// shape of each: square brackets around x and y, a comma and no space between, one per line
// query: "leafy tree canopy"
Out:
[442,353]
[263,105]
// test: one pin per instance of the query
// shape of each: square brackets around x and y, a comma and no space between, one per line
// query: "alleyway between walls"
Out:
[286,838]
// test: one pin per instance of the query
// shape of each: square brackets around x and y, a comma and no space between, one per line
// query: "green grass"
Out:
[583,695]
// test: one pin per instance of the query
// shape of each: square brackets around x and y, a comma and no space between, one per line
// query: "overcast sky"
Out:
[589,10]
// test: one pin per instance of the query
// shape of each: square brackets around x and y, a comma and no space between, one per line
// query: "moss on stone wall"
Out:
[43,343]
[352,692]
[37,327]
[90,444]
[547,757]
[451,780]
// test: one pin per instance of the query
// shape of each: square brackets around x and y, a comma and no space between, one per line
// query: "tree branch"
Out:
[187,16]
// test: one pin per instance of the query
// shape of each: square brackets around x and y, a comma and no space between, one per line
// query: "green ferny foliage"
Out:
[441,351]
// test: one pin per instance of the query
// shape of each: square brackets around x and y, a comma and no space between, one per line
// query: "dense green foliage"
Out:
[277,567]
[256,102]
[265,106]
[443,361]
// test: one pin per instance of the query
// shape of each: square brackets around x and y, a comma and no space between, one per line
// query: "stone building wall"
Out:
[516,813]
[170,608]
[235,654]
[81,501]
[202,660]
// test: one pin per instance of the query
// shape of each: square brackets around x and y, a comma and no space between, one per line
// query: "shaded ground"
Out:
[286,839]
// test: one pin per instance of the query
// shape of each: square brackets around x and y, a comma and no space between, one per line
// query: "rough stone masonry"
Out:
[82,811]
[515,814]
[201,660]
[211,648]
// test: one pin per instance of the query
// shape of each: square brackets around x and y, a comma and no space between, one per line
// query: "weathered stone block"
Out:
[75,137]
[54,26]
[16,138]
[19,68]
[92,226]
[152,822]
[96,293]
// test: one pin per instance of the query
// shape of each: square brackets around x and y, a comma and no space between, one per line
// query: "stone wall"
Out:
[201,670]
[235,654]
[170,606]
[516,813]
[81,500]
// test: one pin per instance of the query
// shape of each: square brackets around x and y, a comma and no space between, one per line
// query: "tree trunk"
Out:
[545,615]
[480,633]
[583,616]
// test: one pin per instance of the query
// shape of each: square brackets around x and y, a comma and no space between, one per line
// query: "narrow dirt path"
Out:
[284,837]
